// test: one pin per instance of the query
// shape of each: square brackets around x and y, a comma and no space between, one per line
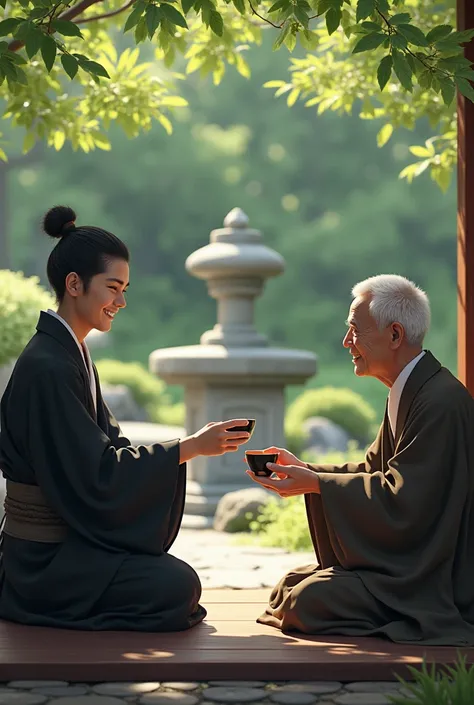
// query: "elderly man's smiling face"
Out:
[371,349]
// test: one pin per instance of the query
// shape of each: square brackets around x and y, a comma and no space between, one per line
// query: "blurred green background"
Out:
[318,187]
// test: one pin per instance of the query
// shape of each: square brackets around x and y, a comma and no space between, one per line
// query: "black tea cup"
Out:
[257,461]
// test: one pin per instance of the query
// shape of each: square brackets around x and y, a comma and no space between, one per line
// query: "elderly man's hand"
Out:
[291,480]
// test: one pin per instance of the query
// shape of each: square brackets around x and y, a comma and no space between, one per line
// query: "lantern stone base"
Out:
[229,383]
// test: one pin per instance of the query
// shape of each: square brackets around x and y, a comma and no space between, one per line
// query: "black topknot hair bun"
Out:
[56,219]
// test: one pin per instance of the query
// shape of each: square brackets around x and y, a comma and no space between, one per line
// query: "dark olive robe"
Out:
[394,535]
[122,505]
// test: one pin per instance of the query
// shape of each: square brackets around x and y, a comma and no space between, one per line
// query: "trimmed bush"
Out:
[341,406]
[148,391]
[173,415]
[21,300]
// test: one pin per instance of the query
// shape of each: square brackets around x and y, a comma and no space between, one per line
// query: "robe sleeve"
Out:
[395,508]
[371,463]
[114,432]
[118,496]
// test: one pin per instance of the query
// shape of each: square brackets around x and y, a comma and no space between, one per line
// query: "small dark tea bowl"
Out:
[248,427]
[257,461]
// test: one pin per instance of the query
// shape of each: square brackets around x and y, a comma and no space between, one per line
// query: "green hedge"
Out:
[21,300]
[343,406]
[148,391]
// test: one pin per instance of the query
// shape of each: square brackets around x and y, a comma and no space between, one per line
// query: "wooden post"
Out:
[465,218]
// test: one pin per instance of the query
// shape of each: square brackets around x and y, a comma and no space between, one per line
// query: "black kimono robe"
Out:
[122,505]
[394,535]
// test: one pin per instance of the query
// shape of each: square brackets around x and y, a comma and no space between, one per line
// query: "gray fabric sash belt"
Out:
[28,516]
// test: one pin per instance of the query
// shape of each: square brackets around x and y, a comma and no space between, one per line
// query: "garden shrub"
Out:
[342,406]
[21,300]
[148,391]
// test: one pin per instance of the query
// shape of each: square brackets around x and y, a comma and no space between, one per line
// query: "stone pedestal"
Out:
[233,373]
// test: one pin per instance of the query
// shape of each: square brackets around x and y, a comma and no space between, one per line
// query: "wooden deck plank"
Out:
[228,645]
[228,612]
[230,596]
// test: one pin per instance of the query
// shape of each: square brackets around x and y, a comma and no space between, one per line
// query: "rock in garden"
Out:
[322,436]
[234,507]
[121,403]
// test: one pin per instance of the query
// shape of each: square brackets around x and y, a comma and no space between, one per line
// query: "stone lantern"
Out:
[233,372]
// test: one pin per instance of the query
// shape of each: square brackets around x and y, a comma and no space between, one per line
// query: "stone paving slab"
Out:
[214,693]
[220,562]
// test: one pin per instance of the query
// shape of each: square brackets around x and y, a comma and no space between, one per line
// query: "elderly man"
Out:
[393,535]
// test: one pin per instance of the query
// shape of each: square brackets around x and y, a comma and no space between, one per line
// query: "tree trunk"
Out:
[4,249]
[465,220]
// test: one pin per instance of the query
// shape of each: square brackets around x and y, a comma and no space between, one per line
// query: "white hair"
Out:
[395,299]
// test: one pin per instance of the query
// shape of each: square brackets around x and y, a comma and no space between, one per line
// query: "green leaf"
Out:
[465,88]
[448,89]
[384,71]
[308,40]
[70,65]
[101,141]
[383,6]
[152,17]
[217,23]
[141,32]
[333,19]
[442,176]
[402,69]
[48,51]
[29,142]
[384,134]
[365,8]
[174,101]
[33,42]
[172,14]
[398,41]
[187,5]
[134,17]
[23,29]
[422,152]
[7,26]
[413,34]
[371,26]
[279,5]
[58,140]
[440,32]
[16,58]
[281,36]
[94,68]
[67,29]
[290,41]
[240,6]
[401,17]
[425,79]
[302,17]
[38,13]
[369,41]
[21,76]
[9,70]
[3,3]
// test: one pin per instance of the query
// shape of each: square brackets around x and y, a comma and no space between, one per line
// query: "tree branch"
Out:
[67,15]
[107,14]
[264,19]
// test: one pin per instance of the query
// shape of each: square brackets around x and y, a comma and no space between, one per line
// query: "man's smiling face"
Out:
[370,347]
